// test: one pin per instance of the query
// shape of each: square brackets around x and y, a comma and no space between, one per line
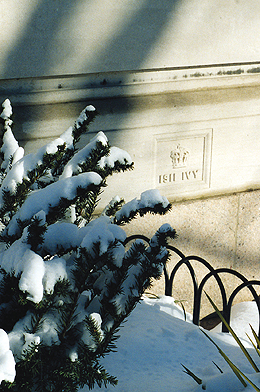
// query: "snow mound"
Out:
[156,340]
[7,363]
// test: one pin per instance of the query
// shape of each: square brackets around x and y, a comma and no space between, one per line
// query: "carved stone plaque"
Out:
[182,160]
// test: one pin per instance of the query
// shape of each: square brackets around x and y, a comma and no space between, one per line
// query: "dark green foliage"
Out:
[14,304]
[113,207]
[82,124]
[90,281]
[36,232]
[156,209]
[94,157]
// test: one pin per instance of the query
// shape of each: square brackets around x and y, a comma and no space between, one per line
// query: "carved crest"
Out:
[179,156]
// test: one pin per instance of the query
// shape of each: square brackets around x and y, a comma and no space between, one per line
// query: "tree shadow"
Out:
[33,51]
[36,51]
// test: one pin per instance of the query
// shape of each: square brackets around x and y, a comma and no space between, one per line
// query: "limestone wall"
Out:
[57,37]
[208,116]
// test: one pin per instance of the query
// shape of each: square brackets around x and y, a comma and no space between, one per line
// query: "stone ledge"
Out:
[71,88]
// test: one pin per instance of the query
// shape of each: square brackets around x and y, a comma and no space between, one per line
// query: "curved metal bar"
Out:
[227,313]
[215,273]
[168,282]
[198,288]
[175,250]
[136,237]
[249,284]
[197,298]
[197,292]
[227,306]
[184,260]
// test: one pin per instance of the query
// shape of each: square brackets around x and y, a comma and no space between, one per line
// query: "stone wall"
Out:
[176,84]
[192,132]
[58,37]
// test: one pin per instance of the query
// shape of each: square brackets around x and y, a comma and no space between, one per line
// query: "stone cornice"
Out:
[71,88]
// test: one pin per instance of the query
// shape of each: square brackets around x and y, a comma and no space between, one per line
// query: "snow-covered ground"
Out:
[155,341]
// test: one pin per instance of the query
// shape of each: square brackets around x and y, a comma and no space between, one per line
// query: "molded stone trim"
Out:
[71,88]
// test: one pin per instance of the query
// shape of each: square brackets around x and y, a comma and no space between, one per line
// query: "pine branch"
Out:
[36,168]
[90,163]
[86,295]
[51,303]
[114,205]
[11,201]
[85,118]
[85,207]
[36,230]
[116,168]
[14,304]
[56,199]
[156,209]
[160,238]
[94,331]
[140,265]
[150,202]
[8,144]
[68,315]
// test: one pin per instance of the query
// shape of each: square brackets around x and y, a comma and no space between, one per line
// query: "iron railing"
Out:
[198,287]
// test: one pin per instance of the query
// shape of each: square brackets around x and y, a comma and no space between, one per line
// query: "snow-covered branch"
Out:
[48,198]
[151,201]
[67,279]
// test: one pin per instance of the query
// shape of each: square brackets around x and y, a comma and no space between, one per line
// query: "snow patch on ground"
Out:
[156,340]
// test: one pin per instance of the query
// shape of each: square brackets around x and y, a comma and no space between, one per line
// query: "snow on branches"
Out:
[10,150]
[68,280]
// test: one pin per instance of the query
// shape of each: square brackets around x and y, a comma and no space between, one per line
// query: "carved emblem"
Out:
[179,156]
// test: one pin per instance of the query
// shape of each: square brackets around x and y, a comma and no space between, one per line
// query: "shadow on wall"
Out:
[33,49]
[82,36]
[50,37]
[76,36]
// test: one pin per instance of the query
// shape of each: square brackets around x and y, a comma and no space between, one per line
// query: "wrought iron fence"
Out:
[198,287]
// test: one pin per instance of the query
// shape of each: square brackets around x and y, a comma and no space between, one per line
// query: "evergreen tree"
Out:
[68,279]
